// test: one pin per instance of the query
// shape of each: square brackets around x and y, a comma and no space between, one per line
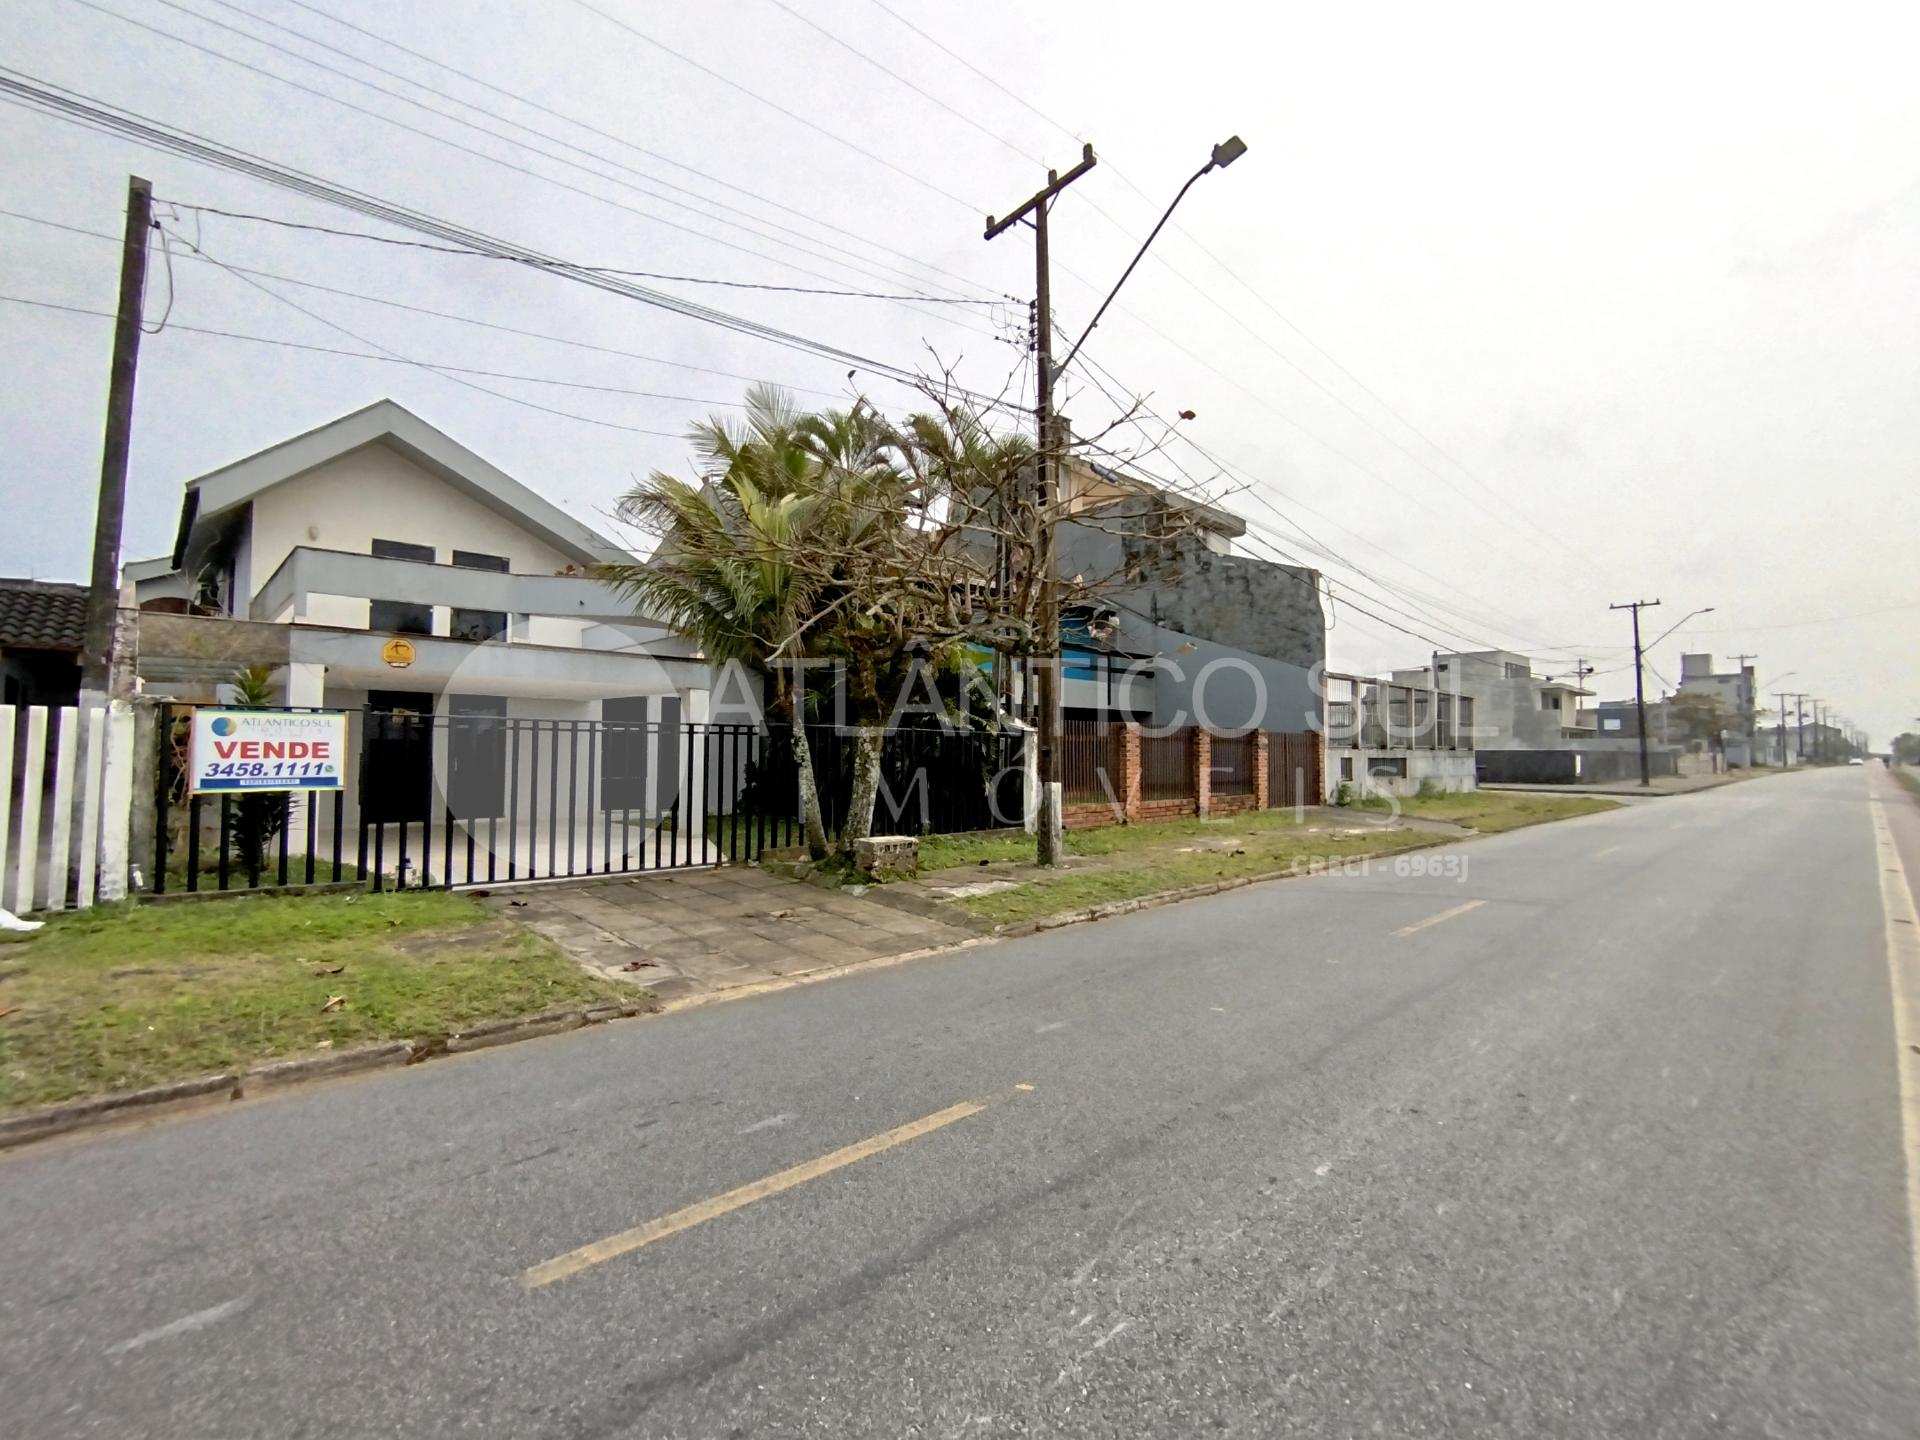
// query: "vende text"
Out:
[273,749]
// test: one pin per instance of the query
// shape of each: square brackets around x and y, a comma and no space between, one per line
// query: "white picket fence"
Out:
[66,805]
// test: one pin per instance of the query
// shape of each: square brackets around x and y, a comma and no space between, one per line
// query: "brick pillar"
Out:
[1127,782]
[1262,772]
[1202,772]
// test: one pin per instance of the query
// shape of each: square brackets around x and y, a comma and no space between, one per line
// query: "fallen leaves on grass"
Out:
[334,1002]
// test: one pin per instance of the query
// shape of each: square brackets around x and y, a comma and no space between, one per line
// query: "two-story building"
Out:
[376,565]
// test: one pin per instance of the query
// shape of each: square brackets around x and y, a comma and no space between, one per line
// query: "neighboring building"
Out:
[1513,709]
[42,629]
[375,562]
[1735,692]
[1390,736]
[1183,626]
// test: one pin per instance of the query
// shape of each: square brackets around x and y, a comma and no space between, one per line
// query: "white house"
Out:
[374,563]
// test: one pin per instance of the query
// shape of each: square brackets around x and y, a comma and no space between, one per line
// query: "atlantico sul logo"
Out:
[223,725]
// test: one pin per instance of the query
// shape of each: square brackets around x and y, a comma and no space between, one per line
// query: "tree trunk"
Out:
[810,821]
[866,784]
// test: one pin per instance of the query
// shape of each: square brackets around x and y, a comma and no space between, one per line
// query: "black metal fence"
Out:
[933,780]
[1090,760]
[1166,766]
[1233,764]
[468,799]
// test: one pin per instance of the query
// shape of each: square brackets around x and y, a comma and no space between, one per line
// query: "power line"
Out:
[795,116]
[74,107]
[1244,284]
[414,84]
[1252,488]
[900,79]
[388,43]
[286,224]
[447,372]
[398,124]
[449,314]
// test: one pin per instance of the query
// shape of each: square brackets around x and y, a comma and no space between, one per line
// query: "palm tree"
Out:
[724,571]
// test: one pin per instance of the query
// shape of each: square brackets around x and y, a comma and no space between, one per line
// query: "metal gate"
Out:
[1293,769]
[477,797]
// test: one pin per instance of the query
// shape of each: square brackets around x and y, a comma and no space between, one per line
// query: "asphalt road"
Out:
[1616,1151]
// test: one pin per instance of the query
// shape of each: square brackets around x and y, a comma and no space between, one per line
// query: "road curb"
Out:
[272,1076]
[1111,908]
[104,1109]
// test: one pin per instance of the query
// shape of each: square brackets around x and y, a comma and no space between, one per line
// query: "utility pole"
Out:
[1750,702]
[1639,685]
[1800,724]
[1047,622]
[1780,735]
[98,671]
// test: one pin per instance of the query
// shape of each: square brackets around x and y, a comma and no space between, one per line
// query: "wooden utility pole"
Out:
[98,671]
[1052,446]
[1639,686]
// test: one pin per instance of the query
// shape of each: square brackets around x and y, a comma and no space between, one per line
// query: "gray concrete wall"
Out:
[1252,605]
[1228,618]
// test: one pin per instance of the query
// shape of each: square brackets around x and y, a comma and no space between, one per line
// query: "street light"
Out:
[1224,154]
[1703,610]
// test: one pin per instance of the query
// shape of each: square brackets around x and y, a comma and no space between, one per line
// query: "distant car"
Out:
[1856,760]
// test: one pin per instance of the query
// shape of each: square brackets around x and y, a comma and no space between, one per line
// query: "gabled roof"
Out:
[42,614]
[387,423]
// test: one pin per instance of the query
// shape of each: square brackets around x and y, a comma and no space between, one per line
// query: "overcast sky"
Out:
[1537,307]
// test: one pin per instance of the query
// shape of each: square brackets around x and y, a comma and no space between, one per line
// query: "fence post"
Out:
[66,752]
[1202,772]
[7,734]
[32,784]
[1029,774]
[116,799]
[1129,772]
[1262,771]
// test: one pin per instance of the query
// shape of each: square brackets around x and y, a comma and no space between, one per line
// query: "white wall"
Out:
[377,493]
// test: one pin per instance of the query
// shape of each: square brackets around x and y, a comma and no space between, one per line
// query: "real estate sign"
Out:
[268,750]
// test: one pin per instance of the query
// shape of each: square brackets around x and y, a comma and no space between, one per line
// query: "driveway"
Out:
[693,932]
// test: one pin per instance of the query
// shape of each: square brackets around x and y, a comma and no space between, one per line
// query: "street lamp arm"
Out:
[1224,154]
[1703,610]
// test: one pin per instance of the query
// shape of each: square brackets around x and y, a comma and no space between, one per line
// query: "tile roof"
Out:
[42,614]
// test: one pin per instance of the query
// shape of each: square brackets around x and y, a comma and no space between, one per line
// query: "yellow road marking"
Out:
[1602,854]
[627,1241]
[1903,970]
[1406,930]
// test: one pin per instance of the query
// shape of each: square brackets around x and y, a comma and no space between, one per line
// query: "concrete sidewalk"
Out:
[692,932]
[1629,789]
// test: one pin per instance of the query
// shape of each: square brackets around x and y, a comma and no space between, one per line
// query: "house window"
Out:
[1346,767]
[1612,722]
[1549,701]
[402,617]
[478,625]
[1517,672]
[1394,767]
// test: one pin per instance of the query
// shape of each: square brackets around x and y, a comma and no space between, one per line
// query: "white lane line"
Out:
[771,1122]
[1056,1025]
[1903,974]
[185,1325]
[1419,925]
[1611,849]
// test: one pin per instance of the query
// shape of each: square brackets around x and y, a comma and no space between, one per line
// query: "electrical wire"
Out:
[1246,285]
[448,372]
[451,315]
[795,116]
[402,125]
[388,43]
[71,106]
[286,224]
